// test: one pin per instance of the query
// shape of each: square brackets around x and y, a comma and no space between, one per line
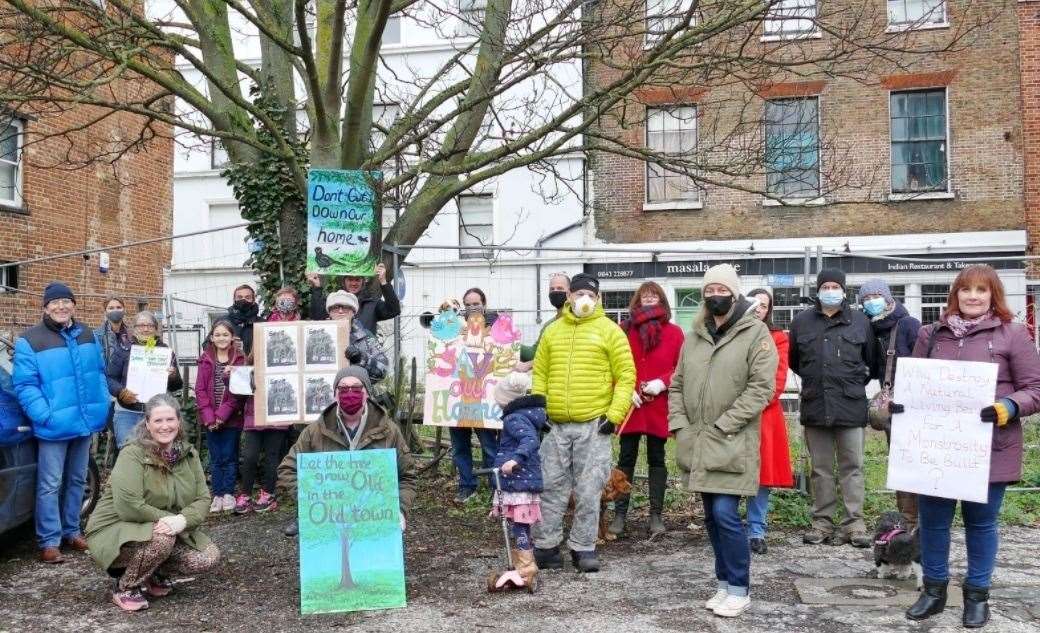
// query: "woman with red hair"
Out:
[976,326]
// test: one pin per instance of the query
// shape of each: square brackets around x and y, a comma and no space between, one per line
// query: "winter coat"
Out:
[323,435]
[1018,379]
[584,368]
[775,471]
[522,419]
[243,324]
[110,339]
[715,403]
[119,364]
[836,357]
[231,408]
[657,364]
[59,377]
[11,415]
[141,489]
[371,309]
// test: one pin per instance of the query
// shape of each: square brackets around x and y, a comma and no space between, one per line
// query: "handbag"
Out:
[878,415]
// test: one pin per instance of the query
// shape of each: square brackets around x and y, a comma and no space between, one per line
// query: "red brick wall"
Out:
[1029,58]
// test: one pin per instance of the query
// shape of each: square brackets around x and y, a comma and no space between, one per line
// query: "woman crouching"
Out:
[147,524]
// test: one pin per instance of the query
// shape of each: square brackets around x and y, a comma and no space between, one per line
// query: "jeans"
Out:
[270,442]
[223,460]
[462,454]
[630,451]
[729,541]
[123,423]
[61,477]
[758,513]
[981,536]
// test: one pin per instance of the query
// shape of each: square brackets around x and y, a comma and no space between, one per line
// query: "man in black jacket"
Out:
[373,308]
[243,313]
[834,352]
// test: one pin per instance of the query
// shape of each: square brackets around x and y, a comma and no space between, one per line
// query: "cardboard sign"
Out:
[464,362]
[344,222]
[351,552]
[939,446]
[294,364]
[148,373]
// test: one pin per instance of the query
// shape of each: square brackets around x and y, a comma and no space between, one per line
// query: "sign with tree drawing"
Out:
[344,226]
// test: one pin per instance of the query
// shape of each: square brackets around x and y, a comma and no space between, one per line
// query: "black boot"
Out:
[931,601]
[617,525]
[548,558]
[976,607]
[658,484]
[586,562]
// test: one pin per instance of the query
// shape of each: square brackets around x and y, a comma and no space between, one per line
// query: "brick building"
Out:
[919,156]
[48,207]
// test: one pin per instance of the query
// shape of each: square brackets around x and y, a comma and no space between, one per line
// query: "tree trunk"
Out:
[346,579]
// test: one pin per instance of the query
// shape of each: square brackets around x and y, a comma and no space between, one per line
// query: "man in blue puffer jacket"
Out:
[60,381]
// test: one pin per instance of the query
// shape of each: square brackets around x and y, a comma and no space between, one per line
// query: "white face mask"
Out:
[583,306]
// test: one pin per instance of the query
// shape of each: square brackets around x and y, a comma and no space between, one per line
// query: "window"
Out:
[476,226]
[615,303]
[662,16]
[933,302]
[787,302]
[383,116]
[687,303]
[392,31]
[671,132]
[389,219]
[472,5]
[919,141]
[791,18]
[8,277]
[792,152]
[916,13]
[218,157]
[11,161]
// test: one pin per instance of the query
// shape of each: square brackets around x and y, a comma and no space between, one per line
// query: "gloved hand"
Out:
[605,426]
[894,408]
[636,400]
[176,523]
[356,356]
[654,387]
[1000,412]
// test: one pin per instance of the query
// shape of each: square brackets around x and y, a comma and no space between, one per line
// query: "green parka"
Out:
[141,489]
[715,404]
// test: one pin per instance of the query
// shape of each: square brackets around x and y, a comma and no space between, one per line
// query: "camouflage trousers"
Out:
[575,459]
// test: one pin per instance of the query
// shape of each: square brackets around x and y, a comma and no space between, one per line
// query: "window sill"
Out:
[901,28]
[12,207]
[795,202]
[674,205]
[924,195]
[782,37]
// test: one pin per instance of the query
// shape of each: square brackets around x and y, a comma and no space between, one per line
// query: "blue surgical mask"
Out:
[831,298]
[874,307]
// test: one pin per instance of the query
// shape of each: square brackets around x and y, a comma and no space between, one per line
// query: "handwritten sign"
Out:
[465,360]
[351,552]
[149,371]
[939,446]
[344,226]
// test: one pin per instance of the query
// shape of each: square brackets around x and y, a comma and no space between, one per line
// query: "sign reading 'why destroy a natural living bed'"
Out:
[344,224]
[351,552]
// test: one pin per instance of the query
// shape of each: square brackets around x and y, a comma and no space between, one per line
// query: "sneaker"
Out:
[243,504]
[291,529]
[217,505]
[815,536]
[464,496]
[758,545]
[732,606]
[228,503]
[265,502]
[716,600]
[157,586]
[131,600]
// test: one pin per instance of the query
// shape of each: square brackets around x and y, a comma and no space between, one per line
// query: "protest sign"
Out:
[344,223]
[149,371]
[939,446]
[295,363]
[351,552]
[464,362]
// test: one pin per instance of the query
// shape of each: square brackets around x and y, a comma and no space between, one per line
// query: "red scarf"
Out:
[649,320]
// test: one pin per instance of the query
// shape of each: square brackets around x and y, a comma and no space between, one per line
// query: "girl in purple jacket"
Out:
[220,412]
[976,326]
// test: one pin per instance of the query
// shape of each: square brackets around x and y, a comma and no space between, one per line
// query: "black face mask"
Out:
[719,305]
[243,304]
[557,298]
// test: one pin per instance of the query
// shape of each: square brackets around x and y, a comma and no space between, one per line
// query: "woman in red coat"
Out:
[656,343]
[776,456]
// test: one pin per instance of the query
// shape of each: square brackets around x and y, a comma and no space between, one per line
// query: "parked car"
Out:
[18,455]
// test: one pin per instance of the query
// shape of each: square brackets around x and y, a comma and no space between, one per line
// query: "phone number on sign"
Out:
[616,274]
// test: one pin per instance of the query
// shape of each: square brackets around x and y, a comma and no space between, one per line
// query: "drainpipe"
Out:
[538,266]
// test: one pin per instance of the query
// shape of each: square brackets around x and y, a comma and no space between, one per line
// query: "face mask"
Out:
[285,305]
[351,401]
[831,298]
[243,304]
[719,305]
[557,298]
[583,306]
[874,307]
[115,316]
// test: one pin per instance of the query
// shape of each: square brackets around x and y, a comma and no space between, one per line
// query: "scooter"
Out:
[510,578]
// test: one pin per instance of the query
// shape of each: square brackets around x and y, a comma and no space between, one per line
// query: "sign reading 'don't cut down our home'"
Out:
[344,224]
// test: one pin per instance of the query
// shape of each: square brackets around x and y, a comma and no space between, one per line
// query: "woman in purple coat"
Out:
[976,326]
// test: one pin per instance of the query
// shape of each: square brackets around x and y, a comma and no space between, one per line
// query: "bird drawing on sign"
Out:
[323,260]
[363,239]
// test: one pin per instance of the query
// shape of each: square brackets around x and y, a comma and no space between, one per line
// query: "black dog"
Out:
[897,548]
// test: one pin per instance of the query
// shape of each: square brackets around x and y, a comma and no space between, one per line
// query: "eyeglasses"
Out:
[340,309]
[351,389]
[143,326]
[60,303]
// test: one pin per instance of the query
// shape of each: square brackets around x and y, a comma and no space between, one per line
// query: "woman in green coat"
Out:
[725,378]
[148,521]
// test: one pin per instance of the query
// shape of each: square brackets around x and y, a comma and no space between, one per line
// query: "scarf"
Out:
[171,456]
[277,315]
[961,326]
[648,321]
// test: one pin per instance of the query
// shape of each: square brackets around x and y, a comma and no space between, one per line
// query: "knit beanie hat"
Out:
[57,290]
[356,372]
[341,298]
[830,274]
[584,281]
[724,274]
[515,385]
[875,286]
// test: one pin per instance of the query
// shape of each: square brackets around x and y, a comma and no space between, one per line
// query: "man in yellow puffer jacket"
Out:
[584,368]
